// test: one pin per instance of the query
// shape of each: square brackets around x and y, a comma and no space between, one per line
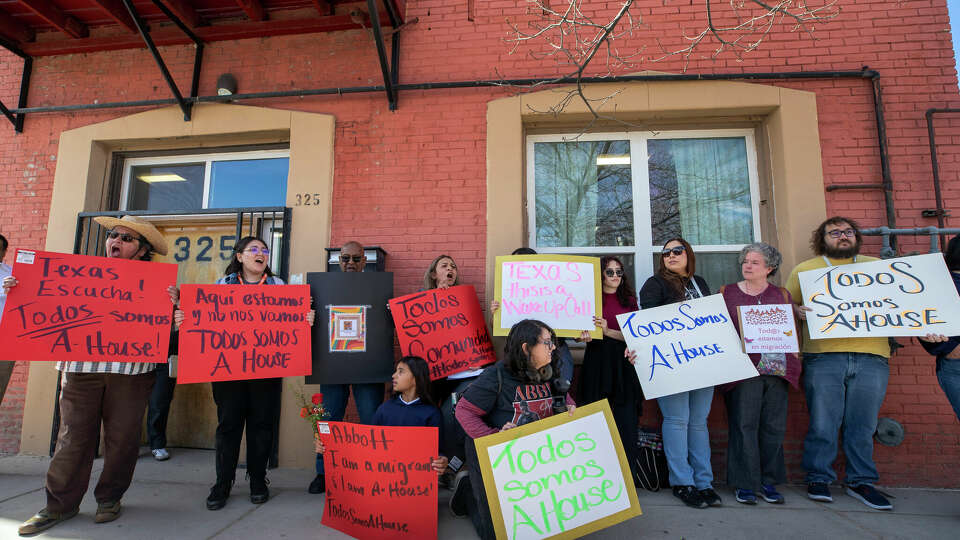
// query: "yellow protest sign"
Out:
[561,477]
[562,291]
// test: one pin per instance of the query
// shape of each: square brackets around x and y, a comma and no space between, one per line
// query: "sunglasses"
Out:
[677,251]
[126,238]
[354,258]
[257,251]
[849,233]
[610,272]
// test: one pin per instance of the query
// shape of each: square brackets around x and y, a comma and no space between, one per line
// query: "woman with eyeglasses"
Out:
[605,372]
[512,392]
[686,441]
[252,402]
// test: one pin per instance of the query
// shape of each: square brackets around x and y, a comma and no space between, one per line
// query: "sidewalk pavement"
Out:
[167,498]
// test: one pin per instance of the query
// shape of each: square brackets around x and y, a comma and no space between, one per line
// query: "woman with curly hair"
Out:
[513,392]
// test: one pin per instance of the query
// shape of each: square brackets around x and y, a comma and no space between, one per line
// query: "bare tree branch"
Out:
[574,39]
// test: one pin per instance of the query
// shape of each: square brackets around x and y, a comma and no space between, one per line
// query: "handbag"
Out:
[652,472]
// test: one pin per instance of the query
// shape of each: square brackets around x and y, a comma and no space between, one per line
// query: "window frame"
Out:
[643,254]
[207,159]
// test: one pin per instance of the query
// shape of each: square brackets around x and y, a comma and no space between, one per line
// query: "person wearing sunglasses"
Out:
[497,401]
[605,372]
[366,396]
[686,441]
[251,402]
[844,379]
[113,394]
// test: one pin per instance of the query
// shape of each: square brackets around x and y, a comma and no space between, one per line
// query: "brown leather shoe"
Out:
[107,512]
[43,520]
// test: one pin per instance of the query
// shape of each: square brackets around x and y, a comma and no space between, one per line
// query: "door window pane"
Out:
[584,194]
[248,182]
[166,187]
[700,190]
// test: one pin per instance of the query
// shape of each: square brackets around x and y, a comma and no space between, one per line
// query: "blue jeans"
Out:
[948,373]
[686,441]
[367,396]
[843,389]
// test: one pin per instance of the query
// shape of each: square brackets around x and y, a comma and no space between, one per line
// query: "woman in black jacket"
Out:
[605,373]
[686,441]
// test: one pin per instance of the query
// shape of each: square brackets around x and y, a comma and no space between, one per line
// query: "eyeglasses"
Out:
[354,258]
[547,343]
[610,272]
[126,238]
[676,252]
[837,233]
[257,251]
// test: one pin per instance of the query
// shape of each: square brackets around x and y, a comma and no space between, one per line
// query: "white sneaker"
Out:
[160,454]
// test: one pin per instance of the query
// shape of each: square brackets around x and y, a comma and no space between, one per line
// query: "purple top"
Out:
[734,298]
[612,308]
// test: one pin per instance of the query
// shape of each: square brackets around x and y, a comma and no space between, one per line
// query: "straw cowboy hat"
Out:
[141,226]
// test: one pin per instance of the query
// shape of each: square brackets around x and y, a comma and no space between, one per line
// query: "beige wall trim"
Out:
[785,118]
[80,184]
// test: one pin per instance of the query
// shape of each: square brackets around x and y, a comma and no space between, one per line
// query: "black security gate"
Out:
[270,224]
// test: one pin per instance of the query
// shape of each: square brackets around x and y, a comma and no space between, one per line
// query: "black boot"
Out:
[259,493]
[319,485]
[219,494]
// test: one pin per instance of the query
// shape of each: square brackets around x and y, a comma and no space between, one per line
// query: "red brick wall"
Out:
[413,180]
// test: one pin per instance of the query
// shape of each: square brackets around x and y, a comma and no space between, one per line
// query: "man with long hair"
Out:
[844,379]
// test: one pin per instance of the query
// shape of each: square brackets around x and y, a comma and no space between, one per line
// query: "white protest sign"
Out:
[685,346]
[562,291]
[906,296]
[559,477]
[768,328]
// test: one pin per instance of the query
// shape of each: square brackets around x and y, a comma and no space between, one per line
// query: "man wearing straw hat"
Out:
[112,393]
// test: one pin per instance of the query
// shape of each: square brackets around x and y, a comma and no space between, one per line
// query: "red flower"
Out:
[304,412]
[317,399]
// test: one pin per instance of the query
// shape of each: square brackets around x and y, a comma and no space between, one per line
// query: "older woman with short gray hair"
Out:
[771,256]
[757,407]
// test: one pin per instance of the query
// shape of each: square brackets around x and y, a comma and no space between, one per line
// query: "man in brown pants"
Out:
[114,393]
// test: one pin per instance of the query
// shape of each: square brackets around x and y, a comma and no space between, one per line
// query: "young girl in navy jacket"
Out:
[411,404]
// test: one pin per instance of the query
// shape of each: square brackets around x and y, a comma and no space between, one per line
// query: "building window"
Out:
[190,182]
[627,194]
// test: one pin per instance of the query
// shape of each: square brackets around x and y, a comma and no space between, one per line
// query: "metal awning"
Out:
[31,28]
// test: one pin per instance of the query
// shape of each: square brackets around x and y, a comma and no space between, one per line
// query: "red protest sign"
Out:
[238,332]
[81,308]
[380,483]
[445,327]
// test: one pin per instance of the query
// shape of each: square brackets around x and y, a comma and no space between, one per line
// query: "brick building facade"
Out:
[415,180]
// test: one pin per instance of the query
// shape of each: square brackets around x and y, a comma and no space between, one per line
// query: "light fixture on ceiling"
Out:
[226,85]
[162,177]
[613,159]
